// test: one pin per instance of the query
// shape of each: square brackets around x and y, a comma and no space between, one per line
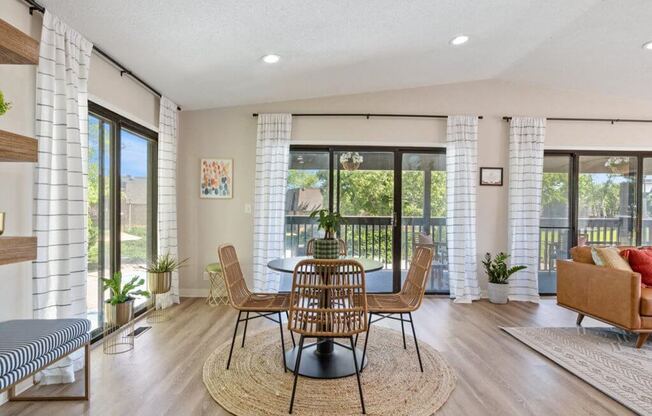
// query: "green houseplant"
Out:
[159,272]
[4,105]
[119,308]
[499,275]
[327,247]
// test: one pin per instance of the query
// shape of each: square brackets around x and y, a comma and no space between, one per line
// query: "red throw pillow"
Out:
[641,262]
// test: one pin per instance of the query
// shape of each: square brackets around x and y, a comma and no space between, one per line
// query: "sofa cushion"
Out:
[25,340]
[609,257]
[646,301]
[581,254]
[641,262]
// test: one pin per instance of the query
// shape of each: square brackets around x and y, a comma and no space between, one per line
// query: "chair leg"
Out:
[297,365]
[366,339]
[403,331]
[287,314]
[228,363]
[280,327]
[416,342]
[580,318]
[357,374]
[244,335]
[641,339]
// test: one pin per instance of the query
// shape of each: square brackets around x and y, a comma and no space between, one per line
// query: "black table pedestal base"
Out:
[314,364]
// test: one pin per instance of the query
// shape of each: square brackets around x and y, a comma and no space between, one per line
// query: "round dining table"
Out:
[326,358]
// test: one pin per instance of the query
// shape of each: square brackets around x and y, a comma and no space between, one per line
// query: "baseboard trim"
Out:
[193,293]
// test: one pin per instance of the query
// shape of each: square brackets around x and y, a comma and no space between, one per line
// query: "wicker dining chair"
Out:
[310,247]
[264,305]
[408,300]
[328,300]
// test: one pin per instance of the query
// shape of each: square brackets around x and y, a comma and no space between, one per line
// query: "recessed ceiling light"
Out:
[271,59]
[459,40]
[648,45]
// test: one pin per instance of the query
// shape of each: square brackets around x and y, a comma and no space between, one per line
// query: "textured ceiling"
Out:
[205,53]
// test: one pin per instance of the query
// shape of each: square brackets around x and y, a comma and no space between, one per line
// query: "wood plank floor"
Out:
[497,375]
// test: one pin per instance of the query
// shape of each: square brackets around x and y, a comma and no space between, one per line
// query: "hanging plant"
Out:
[618,164]
[4,105]
[351,160]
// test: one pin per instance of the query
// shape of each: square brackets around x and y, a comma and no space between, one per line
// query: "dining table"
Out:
[326,358]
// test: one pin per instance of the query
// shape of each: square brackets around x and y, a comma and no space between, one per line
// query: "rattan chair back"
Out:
[236,286]
[414,286]
[328,298]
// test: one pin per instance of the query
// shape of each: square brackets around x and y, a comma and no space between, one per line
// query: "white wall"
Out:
[121,94]
[231,133]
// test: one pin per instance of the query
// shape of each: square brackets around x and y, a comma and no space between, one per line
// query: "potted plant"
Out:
[618,165]
[119,308]
[351,160]
[4,105]
[159,273]
[327,247]
[499,275]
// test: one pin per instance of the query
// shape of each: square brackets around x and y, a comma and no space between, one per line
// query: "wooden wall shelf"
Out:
[17,249]
[17,47]
[17,148]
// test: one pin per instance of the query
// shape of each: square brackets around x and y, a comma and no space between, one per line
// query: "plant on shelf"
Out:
[499,275]
[4,105]
[327,247]
[119,308]
[159,272]
[351,160]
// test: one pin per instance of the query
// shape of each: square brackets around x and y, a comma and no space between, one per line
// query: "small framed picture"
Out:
[491,176]
[216,179]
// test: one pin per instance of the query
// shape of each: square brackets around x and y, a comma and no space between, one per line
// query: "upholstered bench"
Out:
[30,345]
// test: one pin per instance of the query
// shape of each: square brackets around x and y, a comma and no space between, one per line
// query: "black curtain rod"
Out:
[608,120]
[34,6]
[367,115]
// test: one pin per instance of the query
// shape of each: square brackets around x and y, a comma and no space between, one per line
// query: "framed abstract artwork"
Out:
[216,178]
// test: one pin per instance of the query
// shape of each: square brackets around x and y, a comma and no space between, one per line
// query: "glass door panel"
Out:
[423,214]
[555,223]
[364,195]
[136,228]
[99,235]
[646,220]
[607,200]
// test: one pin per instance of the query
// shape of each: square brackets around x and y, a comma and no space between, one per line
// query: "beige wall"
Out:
[18,84]
[231,133]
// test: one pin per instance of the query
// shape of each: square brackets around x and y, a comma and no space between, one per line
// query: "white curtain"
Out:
[60,188]
[167,192]
[461,177]
[272,159]
[526,138]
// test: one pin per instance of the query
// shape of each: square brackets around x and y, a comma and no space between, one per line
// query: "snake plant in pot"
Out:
[159,273]
[327,247]
[499,275]
[119,308]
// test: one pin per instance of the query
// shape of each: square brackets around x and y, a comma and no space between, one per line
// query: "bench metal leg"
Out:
[87,384]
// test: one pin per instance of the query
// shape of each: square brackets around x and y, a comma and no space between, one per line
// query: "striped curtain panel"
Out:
[526,138]
[167,192]
[272,160]
[60,218]
[461,176]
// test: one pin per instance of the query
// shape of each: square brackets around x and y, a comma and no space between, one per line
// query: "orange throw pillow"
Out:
[641,262]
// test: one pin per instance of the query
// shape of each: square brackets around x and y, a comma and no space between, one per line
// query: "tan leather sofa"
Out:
[609,295]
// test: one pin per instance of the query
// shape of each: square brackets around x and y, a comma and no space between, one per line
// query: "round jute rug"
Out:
[392,383]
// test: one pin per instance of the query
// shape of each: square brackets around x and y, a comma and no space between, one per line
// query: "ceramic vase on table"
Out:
[327,248]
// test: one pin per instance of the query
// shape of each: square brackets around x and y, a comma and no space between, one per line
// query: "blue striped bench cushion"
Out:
[25,340]
[19,373]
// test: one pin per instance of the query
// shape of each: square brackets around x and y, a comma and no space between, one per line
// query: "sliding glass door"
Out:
[121,202]
[391,198]
[592,198]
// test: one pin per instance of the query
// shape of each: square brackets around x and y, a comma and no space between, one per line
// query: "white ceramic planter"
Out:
[498,293]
